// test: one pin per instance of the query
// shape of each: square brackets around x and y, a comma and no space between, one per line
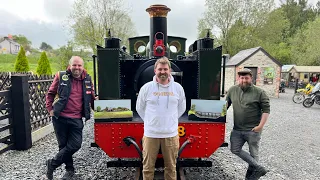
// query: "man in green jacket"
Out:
[251,109]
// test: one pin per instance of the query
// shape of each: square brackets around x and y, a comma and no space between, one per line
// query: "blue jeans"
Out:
[237,140]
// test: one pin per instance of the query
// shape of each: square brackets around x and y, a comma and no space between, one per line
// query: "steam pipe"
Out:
[130,140]
[185,143]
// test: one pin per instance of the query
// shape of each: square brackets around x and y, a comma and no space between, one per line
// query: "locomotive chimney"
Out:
[158,30]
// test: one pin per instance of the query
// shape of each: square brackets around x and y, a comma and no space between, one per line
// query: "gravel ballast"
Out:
[290,149]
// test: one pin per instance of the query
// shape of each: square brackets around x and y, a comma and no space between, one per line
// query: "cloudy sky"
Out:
[43,20]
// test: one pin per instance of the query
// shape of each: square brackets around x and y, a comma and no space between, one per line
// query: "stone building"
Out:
[266,70]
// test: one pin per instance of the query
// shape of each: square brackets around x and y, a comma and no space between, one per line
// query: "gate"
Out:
[6,127]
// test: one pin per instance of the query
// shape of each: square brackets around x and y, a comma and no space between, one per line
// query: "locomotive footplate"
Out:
[160,163]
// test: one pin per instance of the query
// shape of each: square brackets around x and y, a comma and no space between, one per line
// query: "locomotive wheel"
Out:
[308,102]
[298,98]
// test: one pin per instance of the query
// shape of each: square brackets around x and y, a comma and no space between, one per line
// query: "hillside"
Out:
[7,62]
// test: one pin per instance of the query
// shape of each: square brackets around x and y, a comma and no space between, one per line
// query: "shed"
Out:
[266,69]
[306,73]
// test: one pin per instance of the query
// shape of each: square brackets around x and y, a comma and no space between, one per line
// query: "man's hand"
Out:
[257,129]
[51,113]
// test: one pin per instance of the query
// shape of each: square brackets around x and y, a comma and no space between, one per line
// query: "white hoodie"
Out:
[160,107]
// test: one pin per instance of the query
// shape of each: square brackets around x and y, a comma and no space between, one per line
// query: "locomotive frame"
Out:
[122,74]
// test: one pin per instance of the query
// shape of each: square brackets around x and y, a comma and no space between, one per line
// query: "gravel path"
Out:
[290,148]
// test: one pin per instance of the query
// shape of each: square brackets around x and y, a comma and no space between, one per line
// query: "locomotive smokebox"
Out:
[158,30]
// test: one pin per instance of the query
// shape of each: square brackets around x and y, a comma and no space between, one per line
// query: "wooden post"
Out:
[21,112]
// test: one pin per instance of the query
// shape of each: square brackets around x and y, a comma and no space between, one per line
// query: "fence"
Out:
[6,127]
[22,106]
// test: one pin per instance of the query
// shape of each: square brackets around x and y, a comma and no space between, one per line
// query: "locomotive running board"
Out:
[159,163]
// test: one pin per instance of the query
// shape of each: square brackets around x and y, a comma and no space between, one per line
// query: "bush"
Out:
[22,64]
[43,67]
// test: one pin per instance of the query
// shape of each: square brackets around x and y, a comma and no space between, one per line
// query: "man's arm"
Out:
[182,102]
[141,102]
[265,107]
[52,93]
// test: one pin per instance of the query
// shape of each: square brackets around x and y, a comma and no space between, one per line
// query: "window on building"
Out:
[306,75]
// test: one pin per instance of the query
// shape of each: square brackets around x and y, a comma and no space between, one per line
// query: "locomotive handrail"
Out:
[130,140]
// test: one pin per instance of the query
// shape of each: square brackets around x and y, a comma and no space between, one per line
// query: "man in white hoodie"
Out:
[160,103]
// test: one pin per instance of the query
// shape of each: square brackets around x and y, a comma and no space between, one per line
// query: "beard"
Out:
[163,76]
[76,72]
[245,84]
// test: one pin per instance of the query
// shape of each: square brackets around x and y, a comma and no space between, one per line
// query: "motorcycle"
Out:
[299,96]
[314,97]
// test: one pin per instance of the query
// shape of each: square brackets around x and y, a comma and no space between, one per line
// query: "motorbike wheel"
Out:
[298,98]
[308,102]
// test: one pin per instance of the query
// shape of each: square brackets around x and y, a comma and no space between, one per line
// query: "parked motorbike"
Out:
[299,96]
[314,97]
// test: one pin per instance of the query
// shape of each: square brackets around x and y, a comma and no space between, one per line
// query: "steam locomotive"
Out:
[120,76]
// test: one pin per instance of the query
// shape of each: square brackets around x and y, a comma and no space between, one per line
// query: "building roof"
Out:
[243,55]
[307,69]
[12,42]
[287,68]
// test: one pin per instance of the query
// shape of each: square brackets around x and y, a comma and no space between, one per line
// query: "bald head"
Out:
[75,58]
[76,66]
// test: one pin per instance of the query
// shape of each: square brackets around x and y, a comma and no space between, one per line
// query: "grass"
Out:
[7,62]
[121,114]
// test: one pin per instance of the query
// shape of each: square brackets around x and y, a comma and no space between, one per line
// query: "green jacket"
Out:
[248,106]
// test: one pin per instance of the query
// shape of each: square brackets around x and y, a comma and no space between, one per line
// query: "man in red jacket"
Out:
[75,95]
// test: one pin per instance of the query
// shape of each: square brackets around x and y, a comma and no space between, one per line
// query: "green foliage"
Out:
[298,13]
[98,109]
[90,22]
[306,43]
[44,67]
[23,41]
[45,47]
[22,64]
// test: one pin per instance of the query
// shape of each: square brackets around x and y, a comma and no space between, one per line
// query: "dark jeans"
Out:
[69,135]
[237,140]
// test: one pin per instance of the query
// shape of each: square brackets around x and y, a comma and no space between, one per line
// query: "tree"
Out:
[21,64]
[45,47]
[306,43]
[297,13]
[90,21]
[272,36]
[23,41]
[64,55]
[43,67]
[223,14]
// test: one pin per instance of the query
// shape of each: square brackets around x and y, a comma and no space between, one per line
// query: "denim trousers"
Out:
[239,138]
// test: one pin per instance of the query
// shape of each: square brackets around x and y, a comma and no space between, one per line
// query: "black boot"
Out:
[249,172]
[258,172]
[50,169]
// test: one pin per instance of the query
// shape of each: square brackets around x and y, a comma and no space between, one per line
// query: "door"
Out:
[254,71]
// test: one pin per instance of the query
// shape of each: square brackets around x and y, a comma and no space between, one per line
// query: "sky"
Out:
[44,20]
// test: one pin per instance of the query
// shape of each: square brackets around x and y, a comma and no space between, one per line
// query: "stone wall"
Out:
[261,61]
